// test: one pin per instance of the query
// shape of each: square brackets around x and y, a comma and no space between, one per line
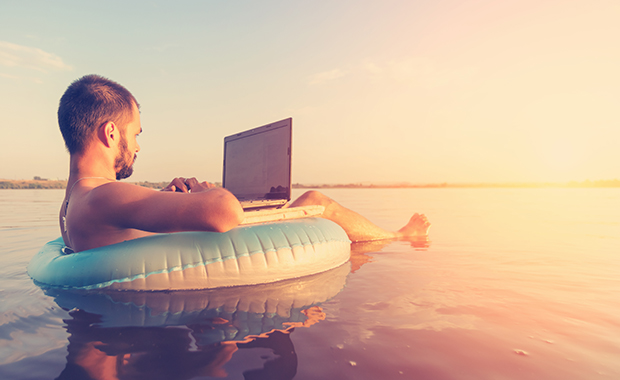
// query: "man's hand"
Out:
[177,184]
[185,185]
[196,187]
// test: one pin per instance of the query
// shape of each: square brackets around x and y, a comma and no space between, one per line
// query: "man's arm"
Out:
[124,205]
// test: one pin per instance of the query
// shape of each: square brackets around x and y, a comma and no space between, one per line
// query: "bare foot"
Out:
[418,226]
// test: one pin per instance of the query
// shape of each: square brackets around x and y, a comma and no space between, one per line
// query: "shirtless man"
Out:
[100,122]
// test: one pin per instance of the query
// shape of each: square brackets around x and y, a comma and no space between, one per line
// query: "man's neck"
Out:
[82,166]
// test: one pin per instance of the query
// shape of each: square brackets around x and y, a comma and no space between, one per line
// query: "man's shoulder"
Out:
[116,192]
[122,187]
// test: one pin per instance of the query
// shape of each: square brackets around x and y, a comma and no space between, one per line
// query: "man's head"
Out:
[87,104]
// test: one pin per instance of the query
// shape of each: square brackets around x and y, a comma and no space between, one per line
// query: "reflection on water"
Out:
[164,353]
[184,334]
[361,251]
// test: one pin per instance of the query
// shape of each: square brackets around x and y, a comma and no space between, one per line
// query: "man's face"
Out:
[127,154]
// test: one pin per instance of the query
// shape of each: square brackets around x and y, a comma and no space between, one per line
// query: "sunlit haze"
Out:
[379,91]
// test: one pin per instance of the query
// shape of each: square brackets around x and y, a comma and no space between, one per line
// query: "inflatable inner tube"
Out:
[246,255]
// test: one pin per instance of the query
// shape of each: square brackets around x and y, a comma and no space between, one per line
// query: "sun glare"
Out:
[561,160]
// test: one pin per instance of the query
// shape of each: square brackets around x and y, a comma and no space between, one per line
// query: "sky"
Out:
[420,91]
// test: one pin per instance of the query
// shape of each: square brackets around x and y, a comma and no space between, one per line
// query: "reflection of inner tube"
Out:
[228,314]
[246,255]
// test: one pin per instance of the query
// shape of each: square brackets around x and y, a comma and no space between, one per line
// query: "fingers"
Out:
[178,185]
[196,186]
[192,183]
[185,185]
[181,185]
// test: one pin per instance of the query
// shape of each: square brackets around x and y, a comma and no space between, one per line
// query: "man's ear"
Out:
[108,134]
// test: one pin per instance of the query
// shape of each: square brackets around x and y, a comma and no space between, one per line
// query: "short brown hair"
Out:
[88,103]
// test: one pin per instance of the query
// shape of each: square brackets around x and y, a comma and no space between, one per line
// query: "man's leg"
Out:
[356,226]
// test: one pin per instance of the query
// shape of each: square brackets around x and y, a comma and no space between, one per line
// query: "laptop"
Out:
[257,165]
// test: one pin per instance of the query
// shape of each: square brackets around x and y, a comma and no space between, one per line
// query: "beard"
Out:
[124,163]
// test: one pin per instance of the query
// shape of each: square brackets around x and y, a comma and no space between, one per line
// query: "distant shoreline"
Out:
[32,184]
[61,184]
[572,184]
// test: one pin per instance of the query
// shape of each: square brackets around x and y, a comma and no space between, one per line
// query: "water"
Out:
[515,284]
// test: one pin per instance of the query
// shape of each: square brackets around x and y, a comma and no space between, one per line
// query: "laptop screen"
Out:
[257,162]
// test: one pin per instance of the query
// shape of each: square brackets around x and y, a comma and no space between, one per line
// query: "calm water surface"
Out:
[514,284]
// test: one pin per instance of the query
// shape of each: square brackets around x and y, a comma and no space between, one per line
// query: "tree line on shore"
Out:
[42,183]
[32,184]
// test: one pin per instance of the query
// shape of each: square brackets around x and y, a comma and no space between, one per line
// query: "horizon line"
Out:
[43,183]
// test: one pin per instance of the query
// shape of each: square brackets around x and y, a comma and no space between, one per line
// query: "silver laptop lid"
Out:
[257,164]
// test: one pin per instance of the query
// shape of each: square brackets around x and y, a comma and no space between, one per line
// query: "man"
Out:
[100,122]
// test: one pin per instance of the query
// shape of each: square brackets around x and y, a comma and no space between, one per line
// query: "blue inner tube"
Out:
[246,255]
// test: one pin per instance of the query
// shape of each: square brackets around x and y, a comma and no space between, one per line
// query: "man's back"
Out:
[89,226]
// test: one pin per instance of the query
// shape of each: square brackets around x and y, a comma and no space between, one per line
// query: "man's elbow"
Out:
[230,221]
[230,213]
